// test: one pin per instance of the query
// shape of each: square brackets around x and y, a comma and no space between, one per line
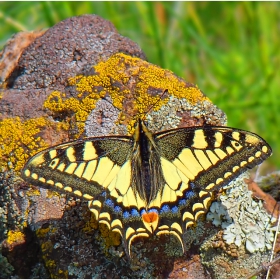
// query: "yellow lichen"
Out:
[110,238]
[15,236]
[81,108]
[52,193]
[91,223]
[33,192]
[44,235]
[122,76]
[46,247]
[42,232]
[62,274]
[20,140]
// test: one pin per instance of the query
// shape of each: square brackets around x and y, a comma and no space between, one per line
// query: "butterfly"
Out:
[148,183]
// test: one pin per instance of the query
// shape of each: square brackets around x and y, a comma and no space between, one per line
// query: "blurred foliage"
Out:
[229,49]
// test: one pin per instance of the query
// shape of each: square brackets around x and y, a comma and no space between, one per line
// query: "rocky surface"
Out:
[54,91]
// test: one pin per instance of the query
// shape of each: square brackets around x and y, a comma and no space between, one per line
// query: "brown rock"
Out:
[70,47]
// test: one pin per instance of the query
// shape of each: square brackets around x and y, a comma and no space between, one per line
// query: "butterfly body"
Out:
[148,183]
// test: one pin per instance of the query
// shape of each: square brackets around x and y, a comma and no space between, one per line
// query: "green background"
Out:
[231,50]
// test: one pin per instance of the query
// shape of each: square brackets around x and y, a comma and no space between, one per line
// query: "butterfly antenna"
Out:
[165,92]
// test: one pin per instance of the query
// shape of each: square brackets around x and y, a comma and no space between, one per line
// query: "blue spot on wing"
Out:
[182,202]
[164,209]
[175,209]
[117,209]
[143,212]
[153,210]
[192,185]
[126,215]
[189,194]
[109,202]
[135,213]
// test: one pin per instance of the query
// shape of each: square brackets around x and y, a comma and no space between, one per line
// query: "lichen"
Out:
[6,269]
[20,140]
[10,216]
[15,237]
[244,220]
[122,77]
[42,232]
[269,182]
[226,266]
[90,223]
[103,120]
[58,104]
[33,191]
[109,238]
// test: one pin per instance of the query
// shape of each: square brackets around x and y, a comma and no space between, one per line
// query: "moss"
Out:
[15,236]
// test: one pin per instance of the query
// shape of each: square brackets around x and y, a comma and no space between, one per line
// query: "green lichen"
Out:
[244,220]
[6,269]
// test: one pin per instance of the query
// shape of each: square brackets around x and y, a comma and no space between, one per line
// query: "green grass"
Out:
[229,49]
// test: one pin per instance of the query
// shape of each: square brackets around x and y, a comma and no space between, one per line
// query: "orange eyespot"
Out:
[150,217]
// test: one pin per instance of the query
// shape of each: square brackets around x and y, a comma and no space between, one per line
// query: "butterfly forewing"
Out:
[84,168]
[210,157]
